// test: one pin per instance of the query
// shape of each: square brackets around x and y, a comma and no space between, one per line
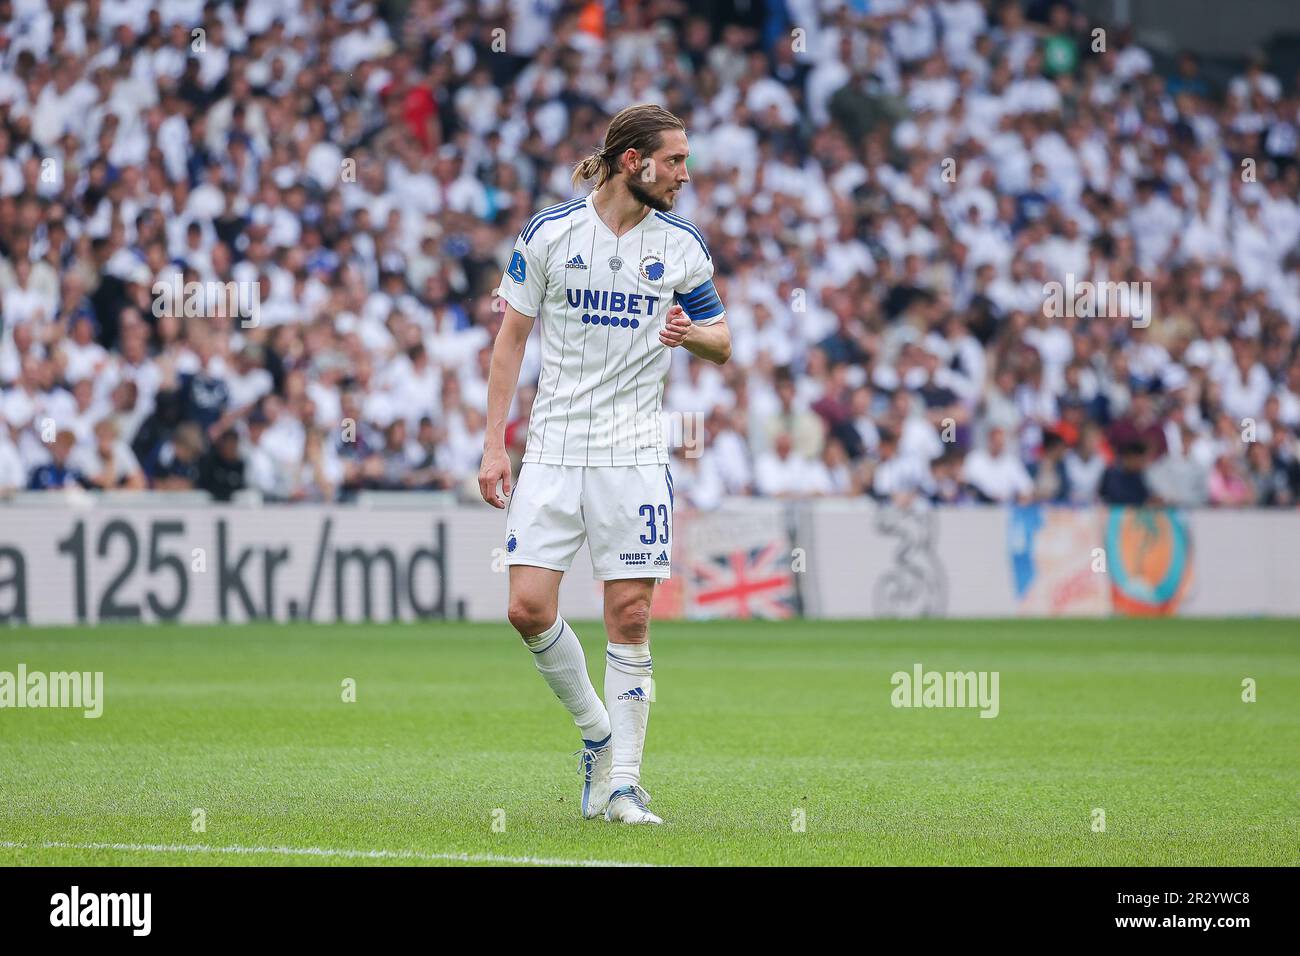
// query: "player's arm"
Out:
[697,319]
[523,287]
[503,379]
[709,342]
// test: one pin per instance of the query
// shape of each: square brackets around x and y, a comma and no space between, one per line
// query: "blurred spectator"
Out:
[949,488]
[13,477]
[996,472]
[1267,476]
[59,472]
[1124,482]
[1140,424]
[783,473]
[108,463]
[899,478]
[1084,465]
[804,428]
[396,474]
[1050,476]
[221,470]
[1175,478]
[839,471]
[177,468]
[318,476]
[1228,487]
[696,481]
[424,457]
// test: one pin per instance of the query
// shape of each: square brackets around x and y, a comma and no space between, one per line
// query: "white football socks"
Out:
[629,689]
[557,652]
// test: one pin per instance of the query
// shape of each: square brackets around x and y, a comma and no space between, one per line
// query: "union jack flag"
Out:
[757,582]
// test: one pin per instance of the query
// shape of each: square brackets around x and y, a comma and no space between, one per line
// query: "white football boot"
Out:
[596,758]
[627,805]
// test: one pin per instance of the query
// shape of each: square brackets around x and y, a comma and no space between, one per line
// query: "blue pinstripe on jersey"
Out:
[681,223]
[549,215]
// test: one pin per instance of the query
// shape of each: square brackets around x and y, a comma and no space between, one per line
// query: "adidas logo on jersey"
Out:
[575,263]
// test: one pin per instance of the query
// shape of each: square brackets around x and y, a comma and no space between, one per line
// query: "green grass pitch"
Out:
[753,721]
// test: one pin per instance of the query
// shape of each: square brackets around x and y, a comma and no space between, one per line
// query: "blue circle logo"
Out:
[511,543]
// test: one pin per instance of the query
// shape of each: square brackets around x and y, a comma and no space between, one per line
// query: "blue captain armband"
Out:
[701,303]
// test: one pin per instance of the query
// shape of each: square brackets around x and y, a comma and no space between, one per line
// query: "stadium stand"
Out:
[253,246]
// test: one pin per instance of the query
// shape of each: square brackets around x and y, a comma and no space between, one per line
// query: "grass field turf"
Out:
[753,720]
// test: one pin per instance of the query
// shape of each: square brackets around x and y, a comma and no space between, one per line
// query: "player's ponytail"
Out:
[593,167]
[637,127]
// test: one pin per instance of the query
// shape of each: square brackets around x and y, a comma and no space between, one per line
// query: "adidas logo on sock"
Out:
[575,263]
[635,694]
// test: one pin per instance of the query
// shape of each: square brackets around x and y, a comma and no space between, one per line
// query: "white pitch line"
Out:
[313,851]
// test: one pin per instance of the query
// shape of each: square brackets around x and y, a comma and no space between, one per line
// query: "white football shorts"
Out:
[624,512]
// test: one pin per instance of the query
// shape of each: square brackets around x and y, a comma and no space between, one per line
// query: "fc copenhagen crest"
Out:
[652,267]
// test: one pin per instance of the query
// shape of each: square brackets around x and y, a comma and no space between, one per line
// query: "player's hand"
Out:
[677,327]
[495,467]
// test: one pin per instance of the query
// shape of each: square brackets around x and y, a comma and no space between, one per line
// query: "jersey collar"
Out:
[600,223]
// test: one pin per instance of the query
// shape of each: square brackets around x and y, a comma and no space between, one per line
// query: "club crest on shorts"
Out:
[512,542]
[652,267]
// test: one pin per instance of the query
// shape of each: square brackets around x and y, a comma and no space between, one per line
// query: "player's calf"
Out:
[629,681]
[557,652]
[629,689]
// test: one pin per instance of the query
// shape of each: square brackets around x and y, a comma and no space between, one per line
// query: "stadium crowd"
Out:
[886,195]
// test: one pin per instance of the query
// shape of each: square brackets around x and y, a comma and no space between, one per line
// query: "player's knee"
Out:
[530,616]
[631,619]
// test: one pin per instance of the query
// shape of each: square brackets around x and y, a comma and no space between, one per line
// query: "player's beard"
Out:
[647,198]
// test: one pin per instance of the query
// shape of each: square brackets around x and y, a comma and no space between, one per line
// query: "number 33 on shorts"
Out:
[623,512]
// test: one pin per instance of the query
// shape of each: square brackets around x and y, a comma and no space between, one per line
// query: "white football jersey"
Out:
[602,301]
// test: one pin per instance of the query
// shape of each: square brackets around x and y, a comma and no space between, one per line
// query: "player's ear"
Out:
[631,161]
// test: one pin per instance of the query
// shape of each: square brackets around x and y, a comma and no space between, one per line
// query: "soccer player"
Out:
[618,281]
